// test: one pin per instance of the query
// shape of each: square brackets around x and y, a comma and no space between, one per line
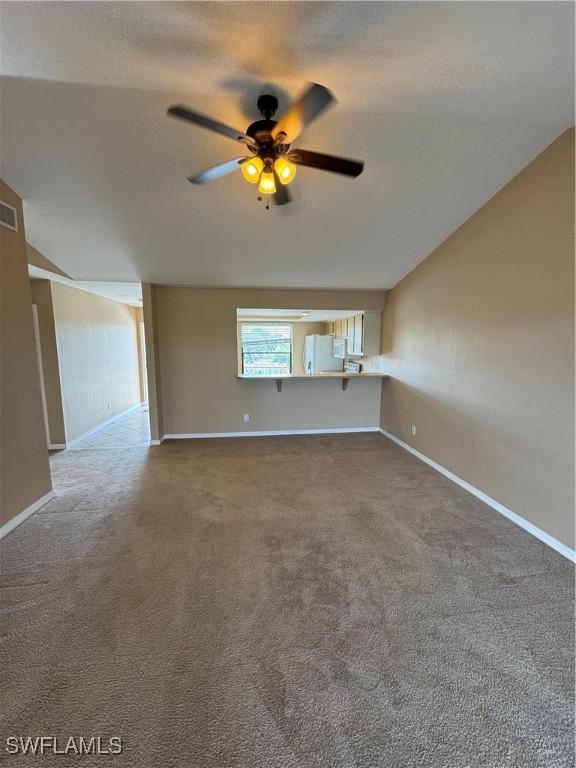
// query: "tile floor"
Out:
[130,431]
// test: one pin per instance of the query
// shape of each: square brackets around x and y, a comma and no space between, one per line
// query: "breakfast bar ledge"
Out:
[344,377]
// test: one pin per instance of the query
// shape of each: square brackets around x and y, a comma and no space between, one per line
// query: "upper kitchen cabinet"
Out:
[351,345]
[362,331]
[371,323]
[357,326]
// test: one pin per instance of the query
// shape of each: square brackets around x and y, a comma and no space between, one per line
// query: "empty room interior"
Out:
[287,384]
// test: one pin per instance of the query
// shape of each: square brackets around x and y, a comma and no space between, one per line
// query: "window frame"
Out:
[263,323]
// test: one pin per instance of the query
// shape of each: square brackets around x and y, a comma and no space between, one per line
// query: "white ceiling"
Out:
[444,101]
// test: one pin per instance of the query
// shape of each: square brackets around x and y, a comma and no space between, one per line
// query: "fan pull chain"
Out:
[259,199]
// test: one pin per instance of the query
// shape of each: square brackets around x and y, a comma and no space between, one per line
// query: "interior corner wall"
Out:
[197,366]
[479,342]
[24,467]
[97,342]
[42,298]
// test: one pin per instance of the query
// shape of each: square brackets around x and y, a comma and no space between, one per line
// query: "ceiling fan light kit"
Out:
[273,164]
[285,169]
[251,168]
[267,185]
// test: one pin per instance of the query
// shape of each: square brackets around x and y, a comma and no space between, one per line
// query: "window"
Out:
[266,349]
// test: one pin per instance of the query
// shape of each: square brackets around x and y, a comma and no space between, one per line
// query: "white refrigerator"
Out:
[319,355]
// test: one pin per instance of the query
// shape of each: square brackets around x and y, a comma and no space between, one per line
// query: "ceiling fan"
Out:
[272,164]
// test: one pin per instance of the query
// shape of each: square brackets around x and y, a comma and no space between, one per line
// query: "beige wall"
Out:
[42,297]
[479,341]
[197,364]
[150,314]
[24,472]
[98,354]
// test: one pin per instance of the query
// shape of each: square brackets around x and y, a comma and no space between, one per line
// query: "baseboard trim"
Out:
[544,537]
[155,442]
[56,446]
[25,514]
[97,428]
[268,433]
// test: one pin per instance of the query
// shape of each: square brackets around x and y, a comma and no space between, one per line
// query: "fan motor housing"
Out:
[261,130]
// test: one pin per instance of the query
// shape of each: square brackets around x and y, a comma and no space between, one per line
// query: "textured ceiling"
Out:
[444,101]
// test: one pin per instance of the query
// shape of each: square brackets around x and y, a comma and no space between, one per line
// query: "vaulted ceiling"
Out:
[445,102]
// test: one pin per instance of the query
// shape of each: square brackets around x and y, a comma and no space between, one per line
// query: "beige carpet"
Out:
[298,602]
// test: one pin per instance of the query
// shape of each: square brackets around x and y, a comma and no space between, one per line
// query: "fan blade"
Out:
[282,195]
[217,171]
[207,122]
[326,162]
[308,107]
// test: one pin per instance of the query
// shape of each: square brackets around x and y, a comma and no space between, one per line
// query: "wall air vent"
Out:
[8,217]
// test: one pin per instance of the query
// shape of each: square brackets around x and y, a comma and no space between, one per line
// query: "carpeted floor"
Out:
[297,602]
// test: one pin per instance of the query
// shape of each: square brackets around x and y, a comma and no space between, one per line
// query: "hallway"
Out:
[129,431]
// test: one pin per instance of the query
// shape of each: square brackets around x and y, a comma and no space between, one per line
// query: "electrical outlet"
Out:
[413,430]
[246,418]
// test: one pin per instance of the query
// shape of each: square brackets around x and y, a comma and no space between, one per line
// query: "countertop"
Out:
[327,375]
